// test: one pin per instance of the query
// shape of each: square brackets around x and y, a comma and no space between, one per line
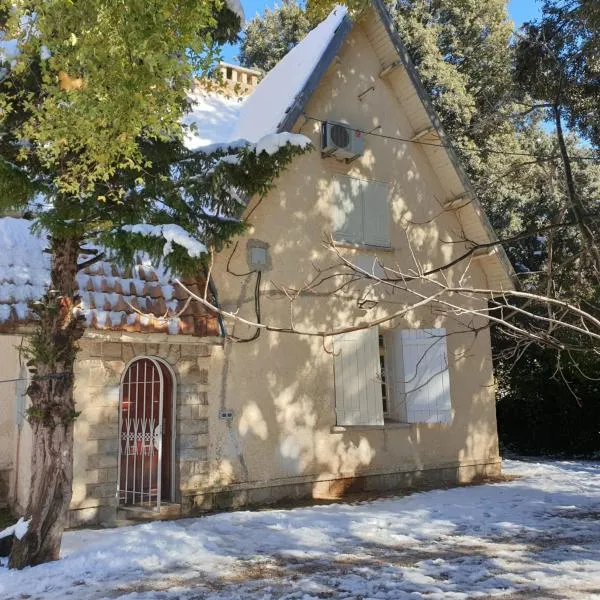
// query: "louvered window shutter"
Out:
[357,381]
[425,385]
[377,214]
[348,207]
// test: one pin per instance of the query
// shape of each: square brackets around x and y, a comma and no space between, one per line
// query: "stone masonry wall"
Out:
[99,369]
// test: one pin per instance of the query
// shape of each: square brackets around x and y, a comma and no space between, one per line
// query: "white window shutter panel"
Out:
[357,382]
[377,214]
[348,209]
[372,409]
[394,348]
[426,376]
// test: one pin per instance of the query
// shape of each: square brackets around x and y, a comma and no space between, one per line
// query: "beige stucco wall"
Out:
[15,433]
[281,387]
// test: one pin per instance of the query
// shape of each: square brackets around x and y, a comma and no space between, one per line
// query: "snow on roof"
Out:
[213,117]
[112,297]
[263,111]
[24,268]
[220,118]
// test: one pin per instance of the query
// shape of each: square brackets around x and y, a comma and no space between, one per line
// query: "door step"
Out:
[168,510]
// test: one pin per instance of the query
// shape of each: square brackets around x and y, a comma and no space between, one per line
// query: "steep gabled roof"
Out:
[277,102]
[502,274]
[280,99]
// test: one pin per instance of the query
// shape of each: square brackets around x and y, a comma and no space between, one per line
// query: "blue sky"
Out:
[520,11]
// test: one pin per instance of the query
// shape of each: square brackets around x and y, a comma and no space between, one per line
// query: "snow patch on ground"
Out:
[19,529]
[536,537]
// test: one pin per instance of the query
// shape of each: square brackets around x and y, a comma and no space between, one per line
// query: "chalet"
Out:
[182,411]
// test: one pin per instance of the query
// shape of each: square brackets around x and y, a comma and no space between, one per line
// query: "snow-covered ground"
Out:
[535,537]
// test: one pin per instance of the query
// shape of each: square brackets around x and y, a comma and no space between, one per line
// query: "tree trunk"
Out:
[577,206]
[51,351]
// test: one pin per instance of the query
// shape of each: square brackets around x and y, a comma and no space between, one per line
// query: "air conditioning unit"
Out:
[341,141]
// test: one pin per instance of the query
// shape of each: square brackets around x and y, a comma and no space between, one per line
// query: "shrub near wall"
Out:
[539,415]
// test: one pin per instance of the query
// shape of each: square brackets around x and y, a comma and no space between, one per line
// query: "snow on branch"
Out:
[173,234]
[273,142]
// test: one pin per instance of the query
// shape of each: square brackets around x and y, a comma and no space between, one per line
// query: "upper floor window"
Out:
[361,211]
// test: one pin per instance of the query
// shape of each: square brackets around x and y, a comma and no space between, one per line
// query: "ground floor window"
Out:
[400,375]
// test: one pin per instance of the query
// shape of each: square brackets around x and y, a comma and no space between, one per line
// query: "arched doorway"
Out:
[146,435]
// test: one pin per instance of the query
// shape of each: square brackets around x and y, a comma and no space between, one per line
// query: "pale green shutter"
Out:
[348,209]
[376,208]
[357,380]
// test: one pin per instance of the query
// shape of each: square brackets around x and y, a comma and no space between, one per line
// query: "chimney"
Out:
[239,80]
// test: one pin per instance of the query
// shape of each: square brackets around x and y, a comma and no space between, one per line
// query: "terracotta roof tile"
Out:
[111,296]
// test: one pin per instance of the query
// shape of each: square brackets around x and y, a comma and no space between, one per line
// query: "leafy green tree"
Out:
[92,96]
[557,66]
[317,10]
[268,38]
[557,79]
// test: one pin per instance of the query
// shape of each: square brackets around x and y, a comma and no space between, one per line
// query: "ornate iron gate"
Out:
[145,436]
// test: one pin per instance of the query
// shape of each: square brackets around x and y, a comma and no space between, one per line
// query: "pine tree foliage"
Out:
[203,193]
[557,61]
[268,38]
[462,50]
